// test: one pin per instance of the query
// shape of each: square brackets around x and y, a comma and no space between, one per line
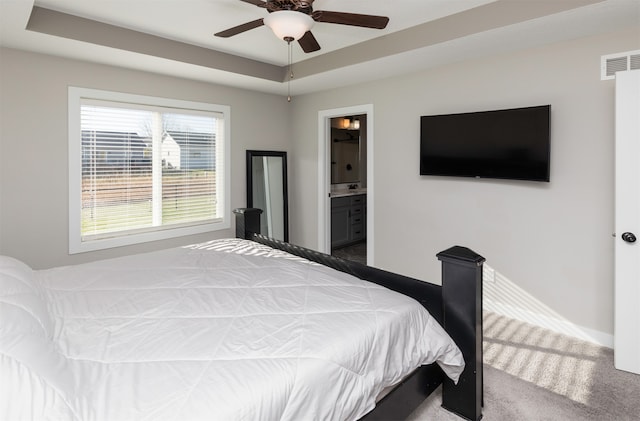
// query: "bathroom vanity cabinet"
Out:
[348,219]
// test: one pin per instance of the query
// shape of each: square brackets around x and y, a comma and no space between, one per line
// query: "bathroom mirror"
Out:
[346,150]
[267,190]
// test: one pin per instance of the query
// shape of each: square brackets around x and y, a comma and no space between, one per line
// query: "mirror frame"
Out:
[255,153]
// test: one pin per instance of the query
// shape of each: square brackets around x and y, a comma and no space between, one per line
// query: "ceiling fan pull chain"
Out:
[289,39]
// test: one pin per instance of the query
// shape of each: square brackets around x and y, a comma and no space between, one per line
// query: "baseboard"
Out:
[564,327]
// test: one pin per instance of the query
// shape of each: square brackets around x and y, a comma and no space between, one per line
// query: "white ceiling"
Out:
[421,33]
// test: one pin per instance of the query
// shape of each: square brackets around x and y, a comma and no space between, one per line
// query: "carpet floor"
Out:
[532,373]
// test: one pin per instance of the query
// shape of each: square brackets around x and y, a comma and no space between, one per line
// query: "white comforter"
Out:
[225,330]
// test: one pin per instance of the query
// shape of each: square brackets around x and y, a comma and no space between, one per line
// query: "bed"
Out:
[236,329]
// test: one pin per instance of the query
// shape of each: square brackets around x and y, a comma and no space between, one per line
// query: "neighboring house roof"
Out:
[114,137]
[183,139]
[192,138]
[182,150]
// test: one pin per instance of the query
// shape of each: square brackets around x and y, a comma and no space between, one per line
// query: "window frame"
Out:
[75,97]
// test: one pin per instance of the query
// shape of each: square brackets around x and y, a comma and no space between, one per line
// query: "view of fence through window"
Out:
[146,168]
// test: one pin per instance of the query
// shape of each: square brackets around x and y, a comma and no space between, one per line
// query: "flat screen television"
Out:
[506,144]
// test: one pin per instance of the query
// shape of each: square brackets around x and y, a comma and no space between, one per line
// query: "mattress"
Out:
[223,330]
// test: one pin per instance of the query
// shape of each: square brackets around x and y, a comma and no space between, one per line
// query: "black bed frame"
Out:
[457,305]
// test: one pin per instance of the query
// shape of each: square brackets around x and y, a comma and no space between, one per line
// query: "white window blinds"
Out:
[146,168]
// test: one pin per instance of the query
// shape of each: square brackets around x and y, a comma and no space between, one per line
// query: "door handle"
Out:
[629,237]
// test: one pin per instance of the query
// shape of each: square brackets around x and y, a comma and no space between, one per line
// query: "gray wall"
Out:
[549,243]
[34,154]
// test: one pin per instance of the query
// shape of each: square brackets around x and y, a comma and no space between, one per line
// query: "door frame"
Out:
[324,176]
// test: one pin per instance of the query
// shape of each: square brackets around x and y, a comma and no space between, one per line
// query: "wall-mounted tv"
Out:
[506,144]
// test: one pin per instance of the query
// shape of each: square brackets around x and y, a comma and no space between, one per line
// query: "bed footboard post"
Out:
[462,315]
[247,222]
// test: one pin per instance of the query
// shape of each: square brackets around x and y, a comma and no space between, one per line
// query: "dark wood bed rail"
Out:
[457,305]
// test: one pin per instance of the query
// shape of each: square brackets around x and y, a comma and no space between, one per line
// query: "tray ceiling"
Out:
[176,36]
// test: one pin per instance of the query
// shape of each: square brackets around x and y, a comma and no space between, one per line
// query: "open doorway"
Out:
[348,168]
[345,220]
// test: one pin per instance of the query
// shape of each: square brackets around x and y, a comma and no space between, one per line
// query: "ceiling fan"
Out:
[292,20]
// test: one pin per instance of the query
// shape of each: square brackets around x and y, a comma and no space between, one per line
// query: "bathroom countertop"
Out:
[353,192]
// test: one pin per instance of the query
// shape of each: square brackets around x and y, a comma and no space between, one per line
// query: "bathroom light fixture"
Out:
[350,123]
[289,24]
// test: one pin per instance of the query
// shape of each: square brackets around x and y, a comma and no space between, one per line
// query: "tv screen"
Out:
[507,144]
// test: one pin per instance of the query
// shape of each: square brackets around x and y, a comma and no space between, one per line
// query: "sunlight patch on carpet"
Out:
[547,359]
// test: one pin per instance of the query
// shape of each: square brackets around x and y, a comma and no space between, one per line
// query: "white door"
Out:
[627,225]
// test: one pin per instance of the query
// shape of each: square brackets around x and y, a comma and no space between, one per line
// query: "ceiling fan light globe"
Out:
[289,24]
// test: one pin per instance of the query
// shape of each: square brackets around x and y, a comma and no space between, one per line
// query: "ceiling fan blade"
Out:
[308,43]
[354,19]
[240,28]
[258,3]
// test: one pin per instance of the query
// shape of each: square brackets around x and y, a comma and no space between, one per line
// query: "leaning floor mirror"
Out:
[267,190]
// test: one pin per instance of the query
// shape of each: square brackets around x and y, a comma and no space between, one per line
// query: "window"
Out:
[144,168]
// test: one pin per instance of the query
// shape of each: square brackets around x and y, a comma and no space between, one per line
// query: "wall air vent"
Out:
[612,63]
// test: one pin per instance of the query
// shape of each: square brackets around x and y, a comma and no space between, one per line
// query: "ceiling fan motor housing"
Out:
[302,6]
